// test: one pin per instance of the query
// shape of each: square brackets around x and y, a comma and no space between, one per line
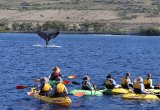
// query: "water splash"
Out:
[49,46]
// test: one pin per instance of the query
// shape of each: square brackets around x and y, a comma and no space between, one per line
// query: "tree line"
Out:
[95,27]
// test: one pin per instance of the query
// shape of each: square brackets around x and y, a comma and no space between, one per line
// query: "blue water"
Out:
[23,57]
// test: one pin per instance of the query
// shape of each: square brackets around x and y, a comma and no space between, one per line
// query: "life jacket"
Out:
[137,89]
[84,85]
[146,84]
[108,84]
[60,88]
[54,76]
[123,82]
[46,87]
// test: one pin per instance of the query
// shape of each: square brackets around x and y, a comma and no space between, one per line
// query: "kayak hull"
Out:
[116,91]
[86,92]
[64,101]
[133,96]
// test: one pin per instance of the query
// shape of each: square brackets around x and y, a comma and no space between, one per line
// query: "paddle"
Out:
[23,87]
[76,83]
[70,77]
[78,94]
[66,82]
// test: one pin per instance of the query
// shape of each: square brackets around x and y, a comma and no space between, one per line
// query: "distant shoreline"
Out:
[80,32]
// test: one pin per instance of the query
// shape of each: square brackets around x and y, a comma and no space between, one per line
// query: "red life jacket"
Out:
[54,76]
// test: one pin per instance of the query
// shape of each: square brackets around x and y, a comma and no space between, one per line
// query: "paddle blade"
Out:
[78,94]
[66,82]
[76,83]
[20,87]
[72,77]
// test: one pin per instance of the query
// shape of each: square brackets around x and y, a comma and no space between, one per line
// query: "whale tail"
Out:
[48,36]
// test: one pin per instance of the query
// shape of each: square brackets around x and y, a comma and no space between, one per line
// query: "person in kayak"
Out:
[59,90]
[44,88]
[148,82]
[86,85]
[110,83]
[139,87]
[126,82]
[55,74]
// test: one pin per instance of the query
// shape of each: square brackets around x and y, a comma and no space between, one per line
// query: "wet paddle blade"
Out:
[78,94]
[72,77]
[76,83]
[20,87]
[66,82]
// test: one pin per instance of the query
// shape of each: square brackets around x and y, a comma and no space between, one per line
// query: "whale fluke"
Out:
[48,36]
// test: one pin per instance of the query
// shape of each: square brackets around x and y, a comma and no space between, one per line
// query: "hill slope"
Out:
[126,15]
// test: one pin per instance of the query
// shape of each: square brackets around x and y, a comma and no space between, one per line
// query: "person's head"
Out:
[109,76]
[149,75]
[86,77]
[58,80]
[44,80]
[56,69]
[140,79]
[127,74]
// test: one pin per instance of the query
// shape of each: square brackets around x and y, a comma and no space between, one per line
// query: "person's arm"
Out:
[65,89]
[150,82]
[128,81]
[143,91]
[90,86]
[52,92]
[61,75]
[49,76]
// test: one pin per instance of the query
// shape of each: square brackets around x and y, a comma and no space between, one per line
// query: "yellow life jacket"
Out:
[108,82]
[123,81]
[136,85]
[159,85]
[60,88]
[137,89]
[46,87]
[145,82]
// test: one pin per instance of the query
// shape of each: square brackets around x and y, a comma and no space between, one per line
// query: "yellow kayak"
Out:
[64,101]
[116,91]
[133,96]
[155,90]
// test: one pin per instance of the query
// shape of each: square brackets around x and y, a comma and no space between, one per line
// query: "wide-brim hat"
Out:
[44,80]
[140,79]
[86,77]
[56,69]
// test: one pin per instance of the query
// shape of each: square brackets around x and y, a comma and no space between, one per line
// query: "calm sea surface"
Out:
[24,57]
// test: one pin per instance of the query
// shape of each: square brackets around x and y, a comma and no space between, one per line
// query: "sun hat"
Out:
[56,69]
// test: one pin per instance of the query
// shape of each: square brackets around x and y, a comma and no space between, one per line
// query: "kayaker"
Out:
[110,83]
[44,88]
[59,90]
[139,87]
[126,82]
[86,85]
[148,82]
[55,74]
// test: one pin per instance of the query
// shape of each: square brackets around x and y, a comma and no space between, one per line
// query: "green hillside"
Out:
[121,15]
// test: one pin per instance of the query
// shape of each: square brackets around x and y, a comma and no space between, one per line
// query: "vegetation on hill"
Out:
[125,16]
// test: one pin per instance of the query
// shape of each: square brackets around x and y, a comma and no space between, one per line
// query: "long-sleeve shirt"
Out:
[142,88]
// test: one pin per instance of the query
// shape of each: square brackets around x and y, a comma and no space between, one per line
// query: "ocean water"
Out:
[24,57]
